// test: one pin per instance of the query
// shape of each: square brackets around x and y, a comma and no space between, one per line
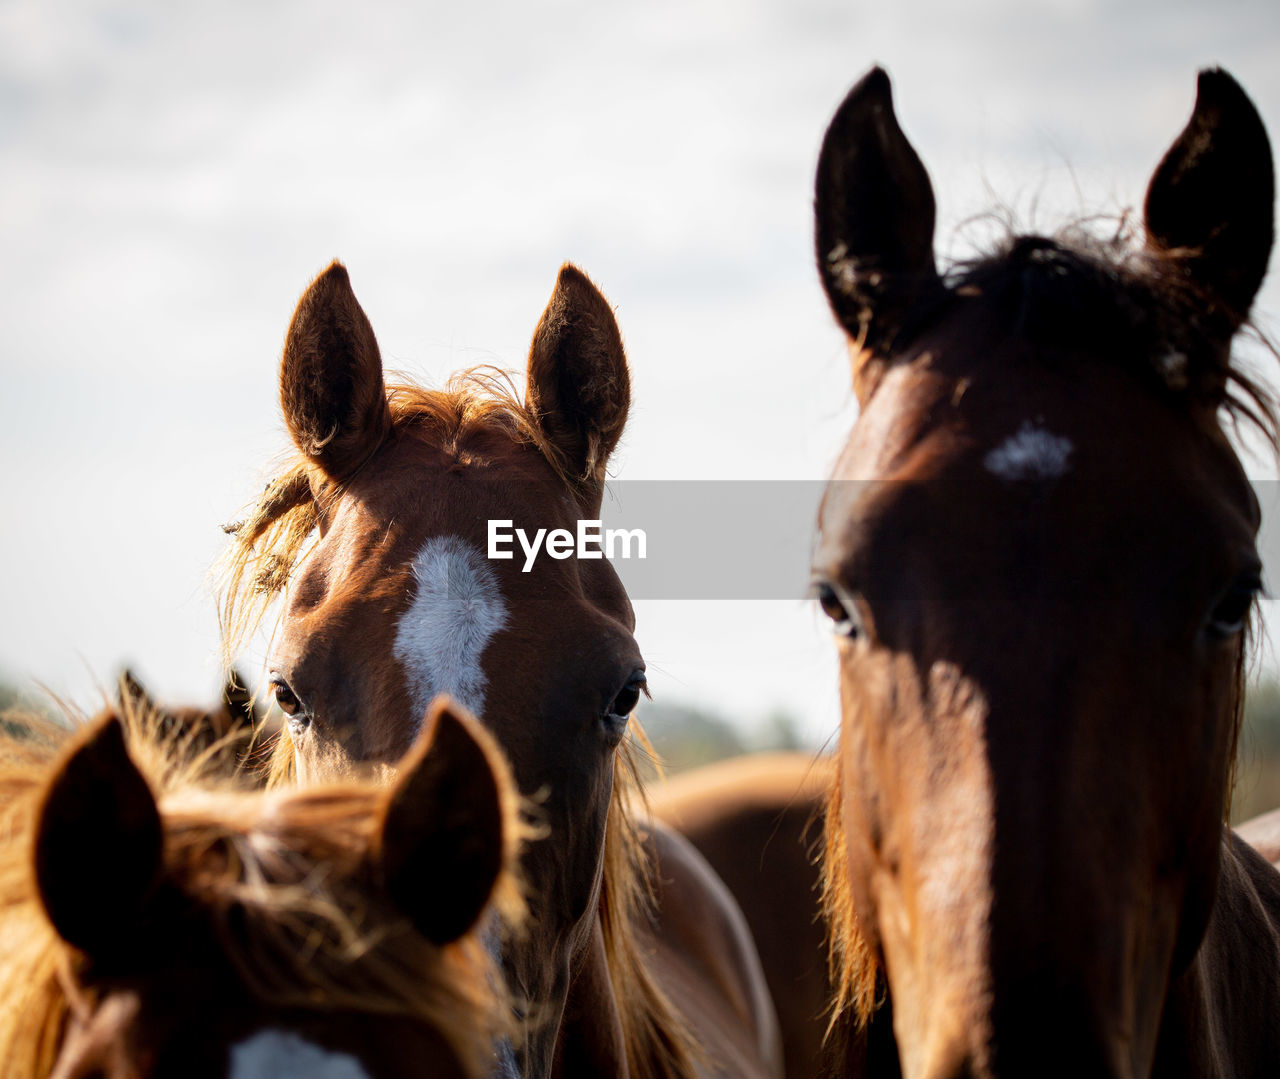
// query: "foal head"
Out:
[1038,554]
[203,933]
[398,598]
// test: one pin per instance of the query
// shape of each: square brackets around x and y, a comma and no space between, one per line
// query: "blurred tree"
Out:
[1257,787]
[684,737]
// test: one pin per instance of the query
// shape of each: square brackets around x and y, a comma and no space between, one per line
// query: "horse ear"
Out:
[442,840]
[331,386]
[132,694]
[579,389]
[238,700]
[874,217]
[98,841]
[1210,206]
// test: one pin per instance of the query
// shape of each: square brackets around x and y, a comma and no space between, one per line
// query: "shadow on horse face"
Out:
[1038,553]
[210,933]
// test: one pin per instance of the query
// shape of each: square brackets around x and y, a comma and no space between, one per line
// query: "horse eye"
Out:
[285,697]
[844,617]
[1232,608]
[629,696]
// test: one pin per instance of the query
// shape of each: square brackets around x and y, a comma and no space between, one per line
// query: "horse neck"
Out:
[590,1040]
[1219,1016]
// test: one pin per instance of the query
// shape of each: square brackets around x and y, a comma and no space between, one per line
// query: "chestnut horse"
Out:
[397,600]
[1038,556]
[154,926]
[228,733]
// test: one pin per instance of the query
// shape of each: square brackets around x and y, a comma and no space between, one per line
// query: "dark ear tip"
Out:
[874,84]
[1214,86]
[103,735]
[573,281]
[570,274]
[446,723]
[332,280]
[871,93]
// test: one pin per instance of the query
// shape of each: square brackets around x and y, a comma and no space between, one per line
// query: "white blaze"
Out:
[456,609]
[1034,453]
[282,1054]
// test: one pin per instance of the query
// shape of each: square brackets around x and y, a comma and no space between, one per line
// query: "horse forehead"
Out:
[441,636]
[283,1054]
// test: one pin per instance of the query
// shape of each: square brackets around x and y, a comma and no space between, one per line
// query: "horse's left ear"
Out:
[98,841]
[443,838]
[579,389]
[331,386]
[1210,207]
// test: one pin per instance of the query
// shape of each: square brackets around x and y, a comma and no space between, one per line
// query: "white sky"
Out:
[172,175]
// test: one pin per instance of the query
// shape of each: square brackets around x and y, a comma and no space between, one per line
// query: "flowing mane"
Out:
[273,536]
[327,942]
[272,540]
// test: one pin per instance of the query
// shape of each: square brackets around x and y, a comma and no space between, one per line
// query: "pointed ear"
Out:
[331,387]
[874,217]
[444,835]
[238,700]
[98,841]
[131,693]
[1210,208]
[579,389]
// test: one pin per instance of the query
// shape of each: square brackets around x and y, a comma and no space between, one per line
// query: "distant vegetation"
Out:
[1258,762]
[685,737]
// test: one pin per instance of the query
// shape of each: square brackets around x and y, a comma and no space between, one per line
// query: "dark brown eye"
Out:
[1232,608]
[285,697]
[629,696]
[845,619]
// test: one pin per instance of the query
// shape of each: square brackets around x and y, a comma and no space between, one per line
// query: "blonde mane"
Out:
[324,940]
[275,536]
[853,968]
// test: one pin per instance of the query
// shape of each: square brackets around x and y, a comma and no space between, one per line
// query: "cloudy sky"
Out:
[173,174]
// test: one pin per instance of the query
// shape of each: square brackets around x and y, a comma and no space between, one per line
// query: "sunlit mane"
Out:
[268,543]
[267,547]
[322,941]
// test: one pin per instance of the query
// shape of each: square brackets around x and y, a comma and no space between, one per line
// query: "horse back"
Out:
[704,959]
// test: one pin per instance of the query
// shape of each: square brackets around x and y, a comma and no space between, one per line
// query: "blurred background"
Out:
[172,175]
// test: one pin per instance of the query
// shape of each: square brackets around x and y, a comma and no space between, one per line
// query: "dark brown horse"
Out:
[399,599]
[1038,555]
[154,927]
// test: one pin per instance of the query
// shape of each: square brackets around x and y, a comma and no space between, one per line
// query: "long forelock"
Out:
[1084,281]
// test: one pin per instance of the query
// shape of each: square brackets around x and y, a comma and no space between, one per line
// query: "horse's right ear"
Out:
[1210,207]
[873,217]
[98,841]
[446,832]
[331,386]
